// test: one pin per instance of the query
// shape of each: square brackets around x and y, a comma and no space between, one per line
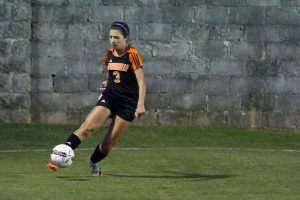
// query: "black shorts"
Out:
[123,109]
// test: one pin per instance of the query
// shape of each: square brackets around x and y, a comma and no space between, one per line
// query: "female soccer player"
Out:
[122,97]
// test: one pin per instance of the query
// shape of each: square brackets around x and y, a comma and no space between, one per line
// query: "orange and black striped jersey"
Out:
[122,82]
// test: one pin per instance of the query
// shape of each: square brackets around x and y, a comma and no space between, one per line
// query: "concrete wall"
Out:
[15,49]
[206,62]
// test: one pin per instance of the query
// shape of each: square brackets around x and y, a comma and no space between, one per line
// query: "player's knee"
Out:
[88,129]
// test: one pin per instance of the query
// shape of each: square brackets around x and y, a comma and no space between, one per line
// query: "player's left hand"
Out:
[140,110]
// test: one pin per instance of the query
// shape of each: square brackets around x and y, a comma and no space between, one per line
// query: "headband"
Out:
[122,26]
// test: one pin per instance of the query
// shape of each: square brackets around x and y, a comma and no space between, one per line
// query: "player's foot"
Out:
[95,170]
[51,166]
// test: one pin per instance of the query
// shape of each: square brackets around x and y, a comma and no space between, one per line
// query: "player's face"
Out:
[116,39]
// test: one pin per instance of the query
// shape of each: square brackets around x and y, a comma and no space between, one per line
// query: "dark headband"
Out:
[122,26]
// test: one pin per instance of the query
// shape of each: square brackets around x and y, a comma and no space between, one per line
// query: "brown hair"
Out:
[122,26]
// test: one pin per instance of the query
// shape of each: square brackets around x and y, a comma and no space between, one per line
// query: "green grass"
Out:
[154,163]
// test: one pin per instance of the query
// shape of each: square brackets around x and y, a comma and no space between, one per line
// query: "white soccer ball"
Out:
[62,155]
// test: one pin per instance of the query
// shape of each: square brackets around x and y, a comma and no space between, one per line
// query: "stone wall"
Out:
[206,62]
[15,81]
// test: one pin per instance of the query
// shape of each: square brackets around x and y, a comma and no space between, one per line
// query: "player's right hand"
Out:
[102,88]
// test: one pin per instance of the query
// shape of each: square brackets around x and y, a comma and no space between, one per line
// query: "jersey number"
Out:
[117,77]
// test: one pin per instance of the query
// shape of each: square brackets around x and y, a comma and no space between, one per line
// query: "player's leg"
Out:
[95,119]
[92,123]
[115,131]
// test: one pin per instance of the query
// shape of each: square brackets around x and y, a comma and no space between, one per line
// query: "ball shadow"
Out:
[76,178]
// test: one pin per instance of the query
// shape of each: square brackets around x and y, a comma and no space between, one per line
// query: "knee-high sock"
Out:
[97,156]
[73,141]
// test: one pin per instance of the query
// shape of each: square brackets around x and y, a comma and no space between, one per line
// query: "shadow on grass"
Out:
[76,178]
[176,175]
[168,175]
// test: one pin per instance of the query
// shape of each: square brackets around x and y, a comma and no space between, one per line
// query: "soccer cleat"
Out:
[95,170]
[52,167]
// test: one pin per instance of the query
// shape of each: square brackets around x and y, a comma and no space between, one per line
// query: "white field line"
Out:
[159,148]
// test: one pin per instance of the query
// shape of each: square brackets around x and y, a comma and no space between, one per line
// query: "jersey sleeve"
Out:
[135,60]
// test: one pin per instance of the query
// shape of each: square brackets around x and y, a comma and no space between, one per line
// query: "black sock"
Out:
[97,156]
[73,141]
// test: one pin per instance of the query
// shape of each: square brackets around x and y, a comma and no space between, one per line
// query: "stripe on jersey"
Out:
[118,66]
[136,60]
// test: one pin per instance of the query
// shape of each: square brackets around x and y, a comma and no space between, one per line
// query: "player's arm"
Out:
[104,83]
[102,87]
[140,110]
[137,65]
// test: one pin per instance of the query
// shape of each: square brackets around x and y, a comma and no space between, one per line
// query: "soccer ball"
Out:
[62,155]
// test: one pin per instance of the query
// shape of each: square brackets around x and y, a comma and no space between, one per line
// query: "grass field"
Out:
[154,163]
